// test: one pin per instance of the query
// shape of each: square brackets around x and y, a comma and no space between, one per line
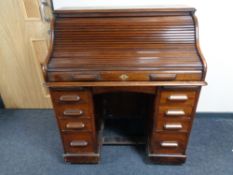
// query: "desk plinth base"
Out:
[167,159]
[82,158]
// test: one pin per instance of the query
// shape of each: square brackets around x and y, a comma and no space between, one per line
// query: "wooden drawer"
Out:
[72,103]
[173,124]
[71,97]
[174,111]
[125,76]
[76,124]
[78,142]
[74,111]
[178,97]
[169,143]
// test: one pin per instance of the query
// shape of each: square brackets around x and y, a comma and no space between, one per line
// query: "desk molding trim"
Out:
[135,83]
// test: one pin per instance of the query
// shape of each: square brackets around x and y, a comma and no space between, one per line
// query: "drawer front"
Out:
[173,124]
[70,97]
[169,143]
[76,124]
[74,111]
[125,76]
[174,111]
[72,103]
[138,76]
[78,142]
[178,97]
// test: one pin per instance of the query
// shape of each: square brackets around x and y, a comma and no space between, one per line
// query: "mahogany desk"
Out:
[151,53]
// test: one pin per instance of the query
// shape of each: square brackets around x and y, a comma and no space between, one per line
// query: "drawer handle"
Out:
[162,77]
[75,125]
[84,77]
[69,98]
[79,143]
[175,112]
[169,144]
[73,112]
[178,97]
[173,126]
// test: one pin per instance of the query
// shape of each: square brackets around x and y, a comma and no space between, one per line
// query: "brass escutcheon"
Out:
[124,77]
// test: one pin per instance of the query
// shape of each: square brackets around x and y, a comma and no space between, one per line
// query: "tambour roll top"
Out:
[141,42]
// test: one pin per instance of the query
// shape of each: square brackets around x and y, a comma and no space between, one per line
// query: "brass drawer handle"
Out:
[75,125]
[174,112]
[169,144]
[162,77]
[69,98]
[173,126]
[73,112]
[85,77]
[79,143]
[178,97]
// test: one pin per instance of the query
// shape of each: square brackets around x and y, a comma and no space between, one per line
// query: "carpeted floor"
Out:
[30,144]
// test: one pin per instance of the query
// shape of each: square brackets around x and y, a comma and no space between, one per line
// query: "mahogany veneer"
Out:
[140,51]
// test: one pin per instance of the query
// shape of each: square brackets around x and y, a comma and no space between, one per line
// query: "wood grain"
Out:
[139,42]
[20,69]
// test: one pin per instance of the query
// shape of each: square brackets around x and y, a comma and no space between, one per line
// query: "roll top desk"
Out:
[126,51]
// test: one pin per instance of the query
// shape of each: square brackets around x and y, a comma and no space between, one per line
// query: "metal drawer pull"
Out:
[169,144]
[175,112]
[173,126]
[80,143]
[73,112]
[83,77]
[68,98]
[178,97]
[75,125]
[162,77]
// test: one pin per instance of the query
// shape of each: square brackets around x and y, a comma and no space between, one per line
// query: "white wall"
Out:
[216,37]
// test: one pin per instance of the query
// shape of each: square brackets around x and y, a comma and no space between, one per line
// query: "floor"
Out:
[30,144]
